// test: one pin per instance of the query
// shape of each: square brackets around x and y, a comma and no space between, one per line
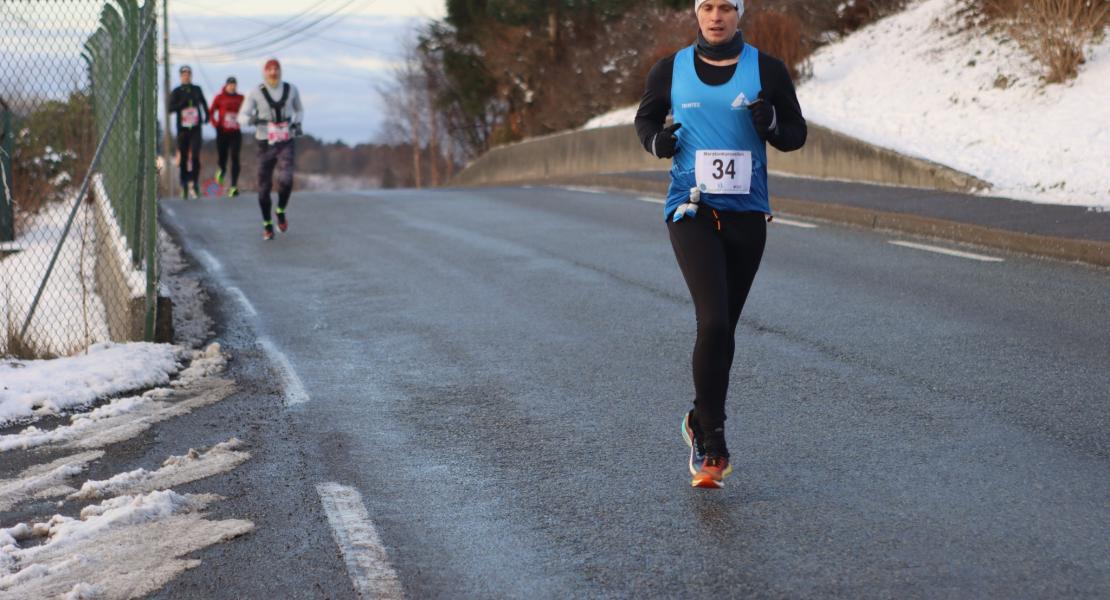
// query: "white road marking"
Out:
[584,190]
[210,262]
[242,298]
[650,199]
[793,223]
[169,211]
[948,251]
[367,561]
[293,388]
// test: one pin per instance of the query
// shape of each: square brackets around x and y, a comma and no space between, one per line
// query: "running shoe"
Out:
[697,449]
[713,471]
[220,176]
[283,225]
[232,192]
[267,231]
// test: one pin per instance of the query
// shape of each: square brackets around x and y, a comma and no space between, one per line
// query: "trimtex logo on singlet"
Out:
[740,102]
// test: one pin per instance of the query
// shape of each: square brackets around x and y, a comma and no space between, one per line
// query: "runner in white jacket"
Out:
[274,109]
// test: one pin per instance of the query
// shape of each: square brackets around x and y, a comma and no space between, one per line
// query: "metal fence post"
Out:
[7,215]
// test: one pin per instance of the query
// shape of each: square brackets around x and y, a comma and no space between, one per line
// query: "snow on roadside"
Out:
[919,83]
[69,316]
[35,388]
[122,418]
[620,116]
[44,481]
[176,470]
[121,548]
[191,325]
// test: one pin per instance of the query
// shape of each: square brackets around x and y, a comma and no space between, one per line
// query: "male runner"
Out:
[229,139]
[188,103]
[728,99]
[275,109]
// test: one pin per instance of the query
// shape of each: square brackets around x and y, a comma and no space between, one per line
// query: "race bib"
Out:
[277,132]
[231,122]
[190,116]
[723,171]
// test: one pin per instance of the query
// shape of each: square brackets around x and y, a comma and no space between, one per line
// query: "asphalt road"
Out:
[501,372]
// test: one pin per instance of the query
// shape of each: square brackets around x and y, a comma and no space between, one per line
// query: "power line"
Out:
[316,35]
[298,31]
[267,29]
[203,73]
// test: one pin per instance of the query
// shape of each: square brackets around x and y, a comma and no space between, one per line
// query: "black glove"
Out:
[763,115]
[665,143]
[296,130]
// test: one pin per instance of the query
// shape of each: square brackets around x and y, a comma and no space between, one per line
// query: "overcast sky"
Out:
[338,61]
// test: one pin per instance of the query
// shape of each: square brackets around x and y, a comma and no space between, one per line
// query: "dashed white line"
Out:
[210,262]
[243,301]
[367,561]
[948,251]
[794,223]
[584,190]
[293,388]
[650,199]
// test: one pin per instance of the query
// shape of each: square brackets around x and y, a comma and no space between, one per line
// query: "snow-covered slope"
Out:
[920,83]
[917,83]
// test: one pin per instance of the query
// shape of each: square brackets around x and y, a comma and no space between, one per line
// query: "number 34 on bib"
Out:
[723,171]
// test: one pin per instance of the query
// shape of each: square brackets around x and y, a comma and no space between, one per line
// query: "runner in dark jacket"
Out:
[188,103]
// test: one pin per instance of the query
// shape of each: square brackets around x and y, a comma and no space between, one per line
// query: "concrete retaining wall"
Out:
[121,288]
[827,154]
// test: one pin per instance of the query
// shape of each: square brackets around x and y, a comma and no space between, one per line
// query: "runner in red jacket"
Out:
[224,114]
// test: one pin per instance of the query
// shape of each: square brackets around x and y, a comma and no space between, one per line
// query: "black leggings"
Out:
[188,145]
[229,141]
[276,159]
[719,253]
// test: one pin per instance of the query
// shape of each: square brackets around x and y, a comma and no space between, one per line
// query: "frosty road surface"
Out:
[499,375]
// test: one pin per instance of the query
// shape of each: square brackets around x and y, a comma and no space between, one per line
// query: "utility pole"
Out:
[167,139]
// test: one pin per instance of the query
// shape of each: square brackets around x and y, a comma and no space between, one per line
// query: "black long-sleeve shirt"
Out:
[184,96]
[789,132]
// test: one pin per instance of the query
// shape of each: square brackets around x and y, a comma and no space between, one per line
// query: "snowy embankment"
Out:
[138,537]
[36,388]
[922,83]
[70,316]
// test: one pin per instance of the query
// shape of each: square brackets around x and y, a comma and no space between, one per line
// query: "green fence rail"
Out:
[84,187]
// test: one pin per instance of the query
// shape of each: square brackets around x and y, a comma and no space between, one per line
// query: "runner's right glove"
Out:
[665,143]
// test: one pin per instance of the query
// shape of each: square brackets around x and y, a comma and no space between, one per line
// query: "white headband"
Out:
[739,4]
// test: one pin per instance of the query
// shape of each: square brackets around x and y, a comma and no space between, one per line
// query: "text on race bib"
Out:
[277,132]
[723,171]
[190,116]
[231,121]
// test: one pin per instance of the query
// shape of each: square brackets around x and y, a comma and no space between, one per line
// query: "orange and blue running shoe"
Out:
[714,468]
[708,467]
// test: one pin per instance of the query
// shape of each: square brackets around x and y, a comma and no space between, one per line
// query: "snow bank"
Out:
[620,116]
[919,83]
[176,470]
[121,548]
[41,387]
[70,315]
[191,325]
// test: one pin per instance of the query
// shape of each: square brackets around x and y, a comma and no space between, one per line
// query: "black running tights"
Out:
[719,253]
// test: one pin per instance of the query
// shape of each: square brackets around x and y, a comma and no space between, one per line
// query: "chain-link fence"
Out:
[78,195]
